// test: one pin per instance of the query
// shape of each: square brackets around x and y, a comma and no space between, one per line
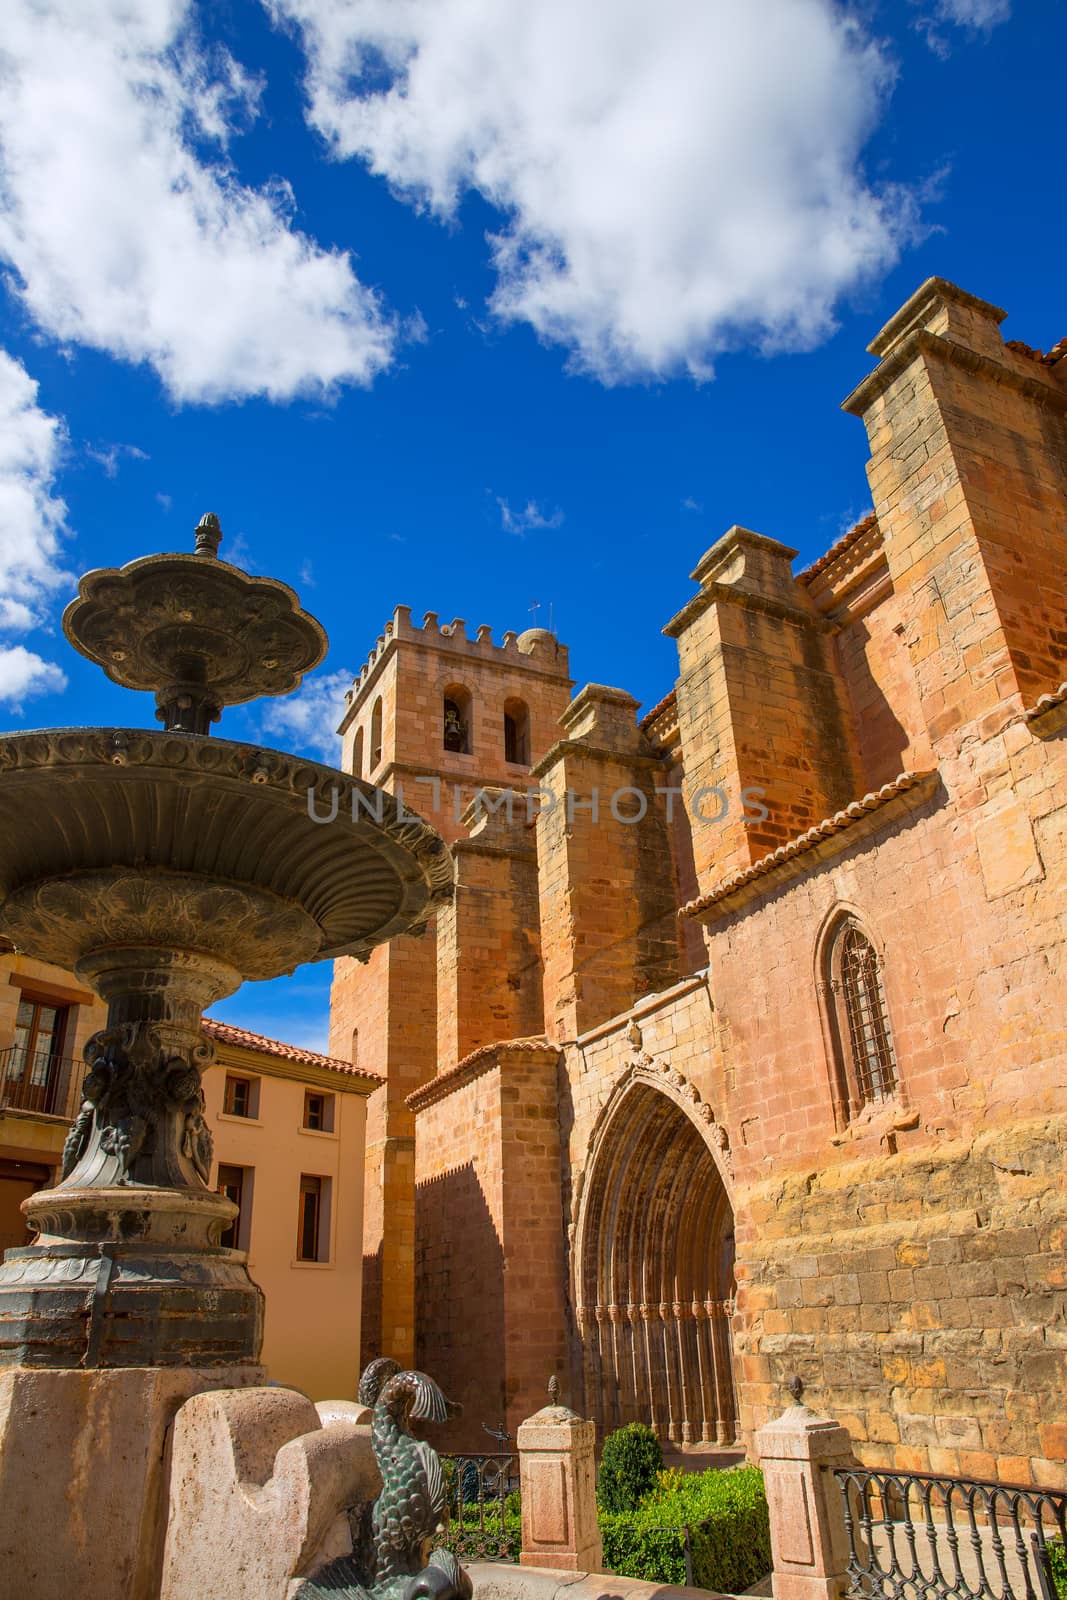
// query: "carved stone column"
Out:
[685,1369]
[651,1339]
[704,1371]
[638,1369]
[132,1231]
[719,1312]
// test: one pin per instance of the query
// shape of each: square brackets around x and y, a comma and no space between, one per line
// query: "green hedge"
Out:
[1057,1560]
[730,1533]
[629,1467]
[726,1511]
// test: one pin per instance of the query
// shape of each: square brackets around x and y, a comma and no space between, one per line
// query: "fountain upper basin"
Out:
[114,837]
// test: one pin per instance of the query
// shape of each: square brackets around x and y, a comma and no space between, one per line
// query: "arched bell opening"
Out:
[655,1278]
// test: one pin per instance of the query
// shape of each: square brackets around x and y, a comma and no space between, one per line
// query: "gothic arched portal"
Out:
[655,1278]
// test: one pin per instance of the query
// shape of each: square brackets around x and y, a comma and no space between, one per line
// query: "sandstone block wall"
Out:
[490,1253]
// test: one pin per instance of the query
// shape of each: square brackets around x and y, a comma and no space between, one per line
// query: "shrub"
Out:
[1057,1560]
[726,1513]
[629,1467]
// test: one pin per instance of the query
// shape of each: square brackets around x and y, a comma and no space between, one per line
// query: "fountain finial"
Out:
[201,633]
[208,535]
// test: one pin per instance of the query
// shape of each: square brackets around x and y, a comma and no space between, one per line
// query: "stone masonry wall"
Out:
[489,1265]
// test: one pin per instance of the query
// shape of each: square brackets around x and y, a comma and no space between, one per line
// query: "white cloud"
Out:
[23,675]
[981,14]
[108,456]
[673,179]
[974,16]
[308,719]
[528,520]
[32,525]
[689,504]
[127,226]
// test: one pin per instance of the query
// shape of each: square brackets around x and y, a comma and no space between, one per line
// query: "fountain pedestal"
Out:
[164,869]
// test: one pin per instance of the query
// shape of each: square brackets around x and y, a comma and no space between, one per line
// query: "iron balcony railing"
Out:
[482,1505]
[47,1085]
[915,1536]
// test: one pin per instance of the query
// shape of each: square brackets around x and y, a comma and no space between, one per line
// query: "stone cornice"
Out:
[644,1007]
[458,780]
[478,846]
[476,1065]
[728,594]
[927,297]
[593,752]
[818,844]
[1046,391]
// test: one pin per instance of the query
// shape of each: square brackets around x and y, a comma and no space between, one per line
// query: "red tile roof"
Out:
[863,526]
[473,1066]
[660,706]
[1048,359]
[243,1039]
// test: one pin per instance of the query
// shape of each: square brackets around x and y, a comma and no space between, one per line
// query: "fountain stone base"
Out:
[125,1277]
[83,1476]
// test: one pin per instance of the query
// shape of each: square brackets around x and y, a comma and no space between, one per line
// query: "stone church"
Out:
[738,1053]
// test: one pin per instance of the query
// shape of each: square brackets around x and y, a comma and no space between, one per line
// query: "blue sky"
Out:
[470,304]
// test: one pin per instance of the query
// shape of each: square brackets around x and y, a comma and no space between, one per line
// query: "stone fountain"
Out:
[164,868]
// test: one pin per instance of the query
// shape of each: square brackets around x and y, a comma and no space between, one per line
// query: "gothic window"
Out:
[376,734]
[862,1038]
[517,732]
[456,721]
[357,754]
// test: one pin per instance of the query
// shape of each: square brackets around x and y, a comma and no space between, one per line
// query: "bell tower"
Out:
[433,718]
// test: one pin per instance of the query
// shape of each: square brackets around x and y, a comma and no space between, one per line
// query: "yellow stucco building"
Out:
[289,1127]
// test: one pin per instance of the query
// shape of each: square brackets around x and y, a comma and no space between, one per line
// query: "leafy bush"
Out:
[726,1513]
[1057,1560]
[629,1467]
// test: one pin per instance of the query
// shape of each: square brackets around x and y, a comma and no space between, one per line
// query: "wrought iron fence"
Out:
[915,1536]
[48,1085]
[482,1502]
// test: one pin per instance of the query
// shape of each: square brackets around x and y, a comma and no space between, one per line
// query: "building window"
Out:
[357,754]
[236,1184]
[241,1096]
[355,1047]
[517,732]
[863,1040]
[313,1220]
[30,1070]
[375,735]
[318,1111]
[456,721]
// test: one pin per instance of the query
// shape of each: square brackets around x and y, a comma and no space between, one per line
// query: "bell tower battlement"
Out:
[432,703]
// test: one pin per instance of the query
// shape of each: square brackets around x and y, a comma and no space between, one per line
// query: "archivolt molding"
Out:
[659,1074]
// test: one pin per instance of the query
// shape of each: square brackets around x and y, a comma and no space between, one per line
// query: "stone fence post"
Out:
[809,1544]
[557,1477]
